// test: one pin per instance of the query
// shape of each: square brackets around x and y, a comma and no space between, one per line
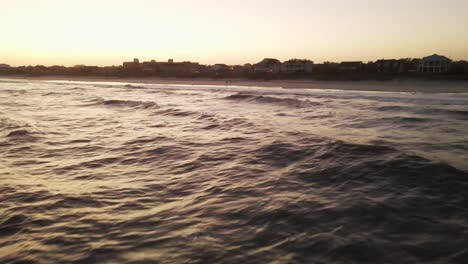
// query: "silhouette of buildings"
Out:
[153,68]
[132,64]
[242,70]
[350,67]
[393,66]
[431,67]
[434,64]
[388,66]
[459,67]
[297,66]
[220,68]
[268,65]
[178,69]
[4,68]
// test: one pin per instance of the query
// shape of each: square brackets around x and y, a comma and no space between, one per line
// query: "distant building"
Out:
[172,68]
[459,67]
[221,70]
[4,68]
[326,68]
[434,64]
[169,68]
[350,67]
[131,64]
[220,67]
[80,69]
[268,66]
[149,67]
[388,66]
[242,70]
[297,66]
[411,65]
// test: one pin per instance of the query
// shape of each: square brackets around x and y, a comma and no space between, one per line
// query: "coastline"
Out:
[407,85]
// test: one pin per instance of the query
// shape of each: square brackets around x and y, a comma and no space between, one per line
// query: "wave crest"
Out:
[288,102]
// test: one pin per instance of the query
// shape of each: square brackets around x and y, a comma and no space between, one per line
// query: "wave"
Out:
[55,93]
[457,113]
[23,135]
[8,124]
[288,102]
[406,119]
[230,124]
[176,112]
[15,93]
[12,81]
[337,162]
[134,86]
[132,104]
[105,86]
[122,103]
[396,121]
[12,225]
[394,108]
[19,133]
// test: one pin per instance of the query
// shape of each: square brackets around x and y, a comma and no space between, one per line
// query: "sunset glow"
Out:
[105,32]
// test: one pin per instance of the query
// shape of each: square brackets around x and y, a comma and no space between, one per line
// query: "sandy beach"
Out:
[411,86]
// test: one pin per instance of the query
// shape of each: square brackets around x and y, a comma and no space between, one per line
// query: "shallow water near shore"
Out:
[103,172]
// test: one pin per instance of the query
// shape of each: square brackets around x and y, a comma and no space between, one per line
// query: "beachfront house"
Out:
[149,67]
[171,68]
[388,66]
[4,68]
[131,64]
[350,67]
[268,66]
[459,67]
[297,66]
[434,64]
[242,71]
[220,67]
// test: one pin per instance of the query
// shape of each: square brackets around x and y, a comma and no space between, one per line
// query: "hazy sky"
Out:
[105,32]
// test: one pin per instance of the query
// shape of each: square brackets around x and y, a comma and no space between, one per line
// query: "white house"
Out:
[434,64]
[296,65]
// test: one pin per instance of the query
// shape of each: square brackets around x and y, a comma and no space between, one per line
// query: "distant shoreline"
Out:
[407,85]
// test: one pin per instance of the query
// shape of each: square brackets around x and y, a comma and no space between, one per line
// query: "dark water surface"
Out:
[116,173]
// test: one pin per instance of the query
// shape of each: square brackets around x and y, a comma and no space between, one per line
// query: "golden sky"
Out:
[107,32]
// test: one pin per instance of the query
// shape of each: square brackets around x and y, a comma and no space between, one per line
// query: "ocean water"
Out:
[146,173]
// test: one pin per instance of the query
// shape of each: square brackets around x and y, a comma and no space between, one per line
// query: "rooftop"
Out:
[436,57]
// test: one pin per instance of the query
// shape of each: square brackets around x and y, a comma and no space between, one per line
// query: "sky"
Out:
[107,32]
